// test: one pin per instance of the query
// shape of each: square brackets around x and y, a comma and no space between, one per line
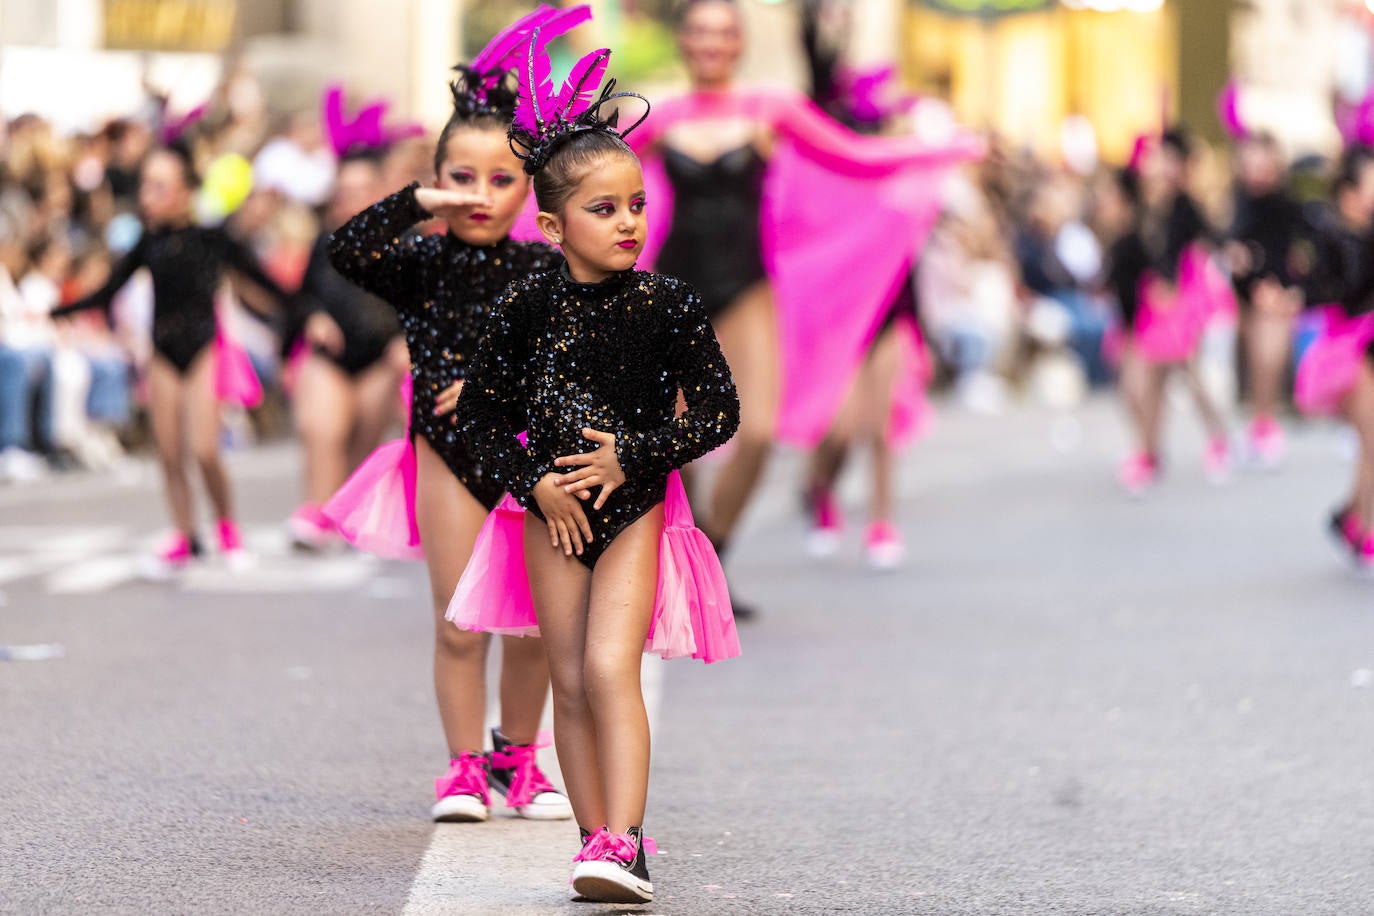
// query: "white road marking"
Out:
[523,864]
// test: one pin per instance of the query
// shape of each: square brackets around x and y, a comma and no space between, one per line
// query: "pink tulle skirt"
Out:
[1168,330]
[236,381]
[375,508]
[692,616]
[1330,366]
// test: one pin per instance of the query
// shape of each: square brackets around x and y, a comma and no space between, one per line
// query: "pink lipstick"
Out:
[479,217]
[628,244]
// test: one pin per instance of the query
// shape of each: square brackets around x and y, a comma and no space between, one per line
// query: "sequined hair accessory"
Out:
[483,87]
[545,118]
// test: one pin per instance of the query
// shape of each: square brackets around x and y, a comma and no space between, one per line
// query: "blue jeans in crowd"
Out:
[26,409]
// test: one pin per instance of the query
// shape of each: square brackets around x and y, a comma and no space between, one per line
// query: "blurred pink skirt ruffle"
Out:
[1169,330]
[375,508]
[1330,366]
[236,381]
[692,615]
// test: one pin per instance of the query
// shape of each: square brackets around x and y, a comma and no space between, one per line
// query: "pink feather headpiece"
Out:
[483,86]
[544,118]
[1228,111]
[365,130]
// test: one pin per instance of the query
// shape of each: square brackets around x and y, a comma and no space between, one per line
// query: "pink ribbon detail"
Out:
[465,776]
[528,780]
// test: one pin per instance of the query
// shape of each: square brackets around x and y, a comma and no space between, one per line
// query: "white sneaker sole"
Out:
[459,809]
[822,543]
[885,559]
[548,806]
[605,882]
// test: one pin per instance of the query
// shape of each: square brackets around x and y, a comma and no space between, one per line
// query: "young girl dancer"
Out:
[1336,373]
[735,172]
[443,288]
[345,391]
[1265,234]
[588,360]
[1168,291]
[187,373]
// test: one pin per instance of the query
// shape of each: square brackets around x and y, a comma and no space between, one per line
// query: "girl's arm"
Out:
[238,257]
[102,297]
[373,250]
[698,366]
[835,146]
[491,410]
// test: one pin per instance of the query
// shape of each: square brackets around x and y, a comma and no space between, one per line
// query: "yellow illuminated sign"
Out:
[170,25]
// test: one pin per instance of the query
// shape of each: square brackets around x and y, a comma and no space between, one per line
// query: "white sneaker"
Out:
[20,466]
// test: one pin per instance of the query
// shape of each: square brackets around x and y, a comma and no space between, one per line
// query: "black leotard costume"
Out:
[1270,226]
[368,323]
[187,264]
[561,355]
[1155,246]
[442,290]
[714,241]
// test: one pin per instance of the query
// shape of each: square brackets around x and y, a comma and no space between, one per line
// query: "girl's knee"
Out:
[459,645]
[607,677]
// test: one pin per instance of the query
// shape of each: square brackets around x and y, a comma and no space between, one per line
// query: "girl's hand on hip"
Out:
[447,400]
[599,468]
[568,527]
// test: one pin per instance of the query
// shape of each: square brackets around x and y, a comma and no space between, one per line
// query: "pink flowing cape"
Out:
[844,217]
[692,616]
[1330,366]
[1169,330]
[375,508]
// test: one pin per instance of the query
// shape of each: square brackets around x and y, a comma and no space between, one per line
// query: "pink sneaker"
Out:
[176,553]
[883,546]
[827,524]
[1138,473]
[1268,444]
[1216,461]
[1365,554]
[231,545]
[463,793]
[311,530]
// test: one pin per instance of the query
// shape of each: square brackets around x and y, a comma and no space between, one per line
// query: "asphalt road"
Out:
[1066,702]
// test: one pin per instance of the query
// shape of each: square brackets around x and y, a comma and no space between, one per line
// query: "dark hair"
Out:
[373,156]
[463,121]
[181,151]
[570,162]
[38,248]
[1178,140]
[1350,166]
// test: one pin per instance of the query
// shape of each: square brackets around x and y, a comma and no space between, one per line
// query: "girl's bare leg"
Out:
[621,603]
[449,519]
[165,412]
[325,408]
[374,394]
[749,339]
[559,585]
[203,429]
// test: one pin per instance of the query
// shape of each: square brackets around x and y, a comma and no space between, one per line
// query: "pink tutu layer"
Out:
[375,508]
[1169,331]
[1331,364]
[236,381]
[692,615]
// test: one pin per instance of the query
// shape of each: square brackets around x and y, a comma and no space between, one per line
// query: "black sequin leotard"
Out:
[561,355]
[187,264]
[442,289]
[714,240]
[368,323]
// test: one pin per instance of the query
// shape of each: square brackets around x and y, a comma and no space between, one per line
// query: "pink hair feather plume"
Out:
[173,128]
[1228,111]
[507,49]
[544,118]
[365,130]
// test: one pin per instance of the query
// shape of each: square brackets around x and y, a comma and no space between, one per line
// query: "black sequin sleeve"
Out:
[119,275]
[375,251]
[493,407]
[694,361]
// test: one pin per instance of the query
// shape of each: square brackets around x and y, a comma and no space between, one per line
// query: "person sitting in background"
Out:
[106,365]
[967,289]
[1058,258]
[26,415]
